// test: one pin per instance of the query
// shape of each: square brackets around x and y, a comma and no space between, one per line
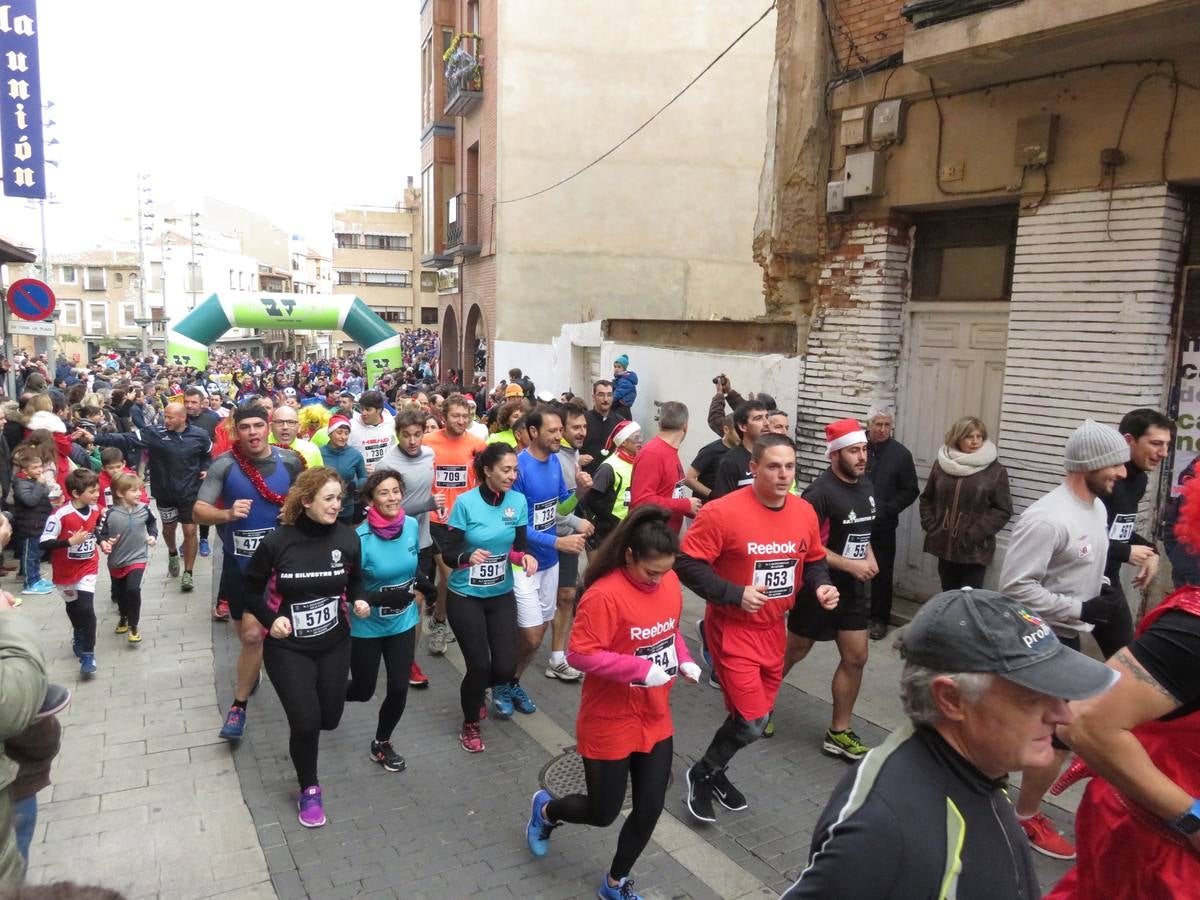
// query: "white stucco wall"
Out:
[663,227]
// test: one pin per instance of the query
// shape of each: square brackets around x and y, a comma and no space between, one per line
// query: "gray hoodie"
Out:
[128,529]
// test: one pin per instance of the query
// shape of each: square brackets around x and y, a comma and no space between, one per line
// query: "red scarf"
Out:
[251,471]
[303,461]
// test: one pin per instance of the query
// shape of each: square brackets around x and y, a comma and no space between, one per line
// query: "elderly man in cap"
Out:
[1055,567]
[985,684]
[892,474]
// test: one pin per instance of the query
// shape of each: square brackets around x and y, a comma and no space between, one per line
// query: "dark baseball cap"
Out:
[983,631]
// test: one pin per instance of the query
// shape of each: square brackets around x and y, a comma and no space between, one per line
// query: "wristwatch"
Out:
[1189,822]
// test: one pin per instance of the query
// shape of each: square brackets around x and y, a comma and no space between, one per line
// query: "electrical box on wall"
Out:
[835,197]
[854,127]
[887,121]
[1035,140]
[864,174]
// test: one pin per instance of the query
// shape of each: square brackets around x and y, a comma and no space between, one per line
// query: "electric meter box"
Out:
[863,174]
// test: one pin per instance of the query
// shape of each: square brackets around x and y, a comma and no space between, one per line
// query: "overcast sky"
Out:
[286,107]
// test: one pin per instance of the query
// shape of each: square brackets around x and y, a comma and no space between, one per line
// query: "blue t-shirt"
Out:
[544,487]
[491,528]
[388,564]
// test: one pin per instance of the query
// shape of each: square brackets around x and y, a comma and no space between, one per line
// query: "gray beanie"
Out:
[1093,446]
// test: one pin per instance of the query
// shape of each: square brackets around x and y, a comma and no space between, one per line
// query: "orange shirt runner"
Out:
[453,474]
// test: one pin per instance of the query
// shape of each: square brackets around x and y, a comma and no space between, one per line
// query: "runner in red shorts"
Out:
[746,554]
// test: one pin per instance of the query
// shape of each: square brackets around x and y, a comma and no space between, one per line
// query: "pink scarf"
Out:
[385,528]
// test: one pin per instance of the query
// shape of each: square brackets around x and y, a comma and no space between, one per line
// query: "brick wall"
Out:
[853,355]
[866,31]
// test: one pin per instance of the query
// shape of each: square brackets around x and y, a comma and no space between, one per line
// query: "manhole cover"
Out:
[564,775]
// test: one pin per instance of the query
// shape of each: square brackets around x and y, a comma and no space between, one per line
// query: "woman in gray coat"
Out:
[964,505]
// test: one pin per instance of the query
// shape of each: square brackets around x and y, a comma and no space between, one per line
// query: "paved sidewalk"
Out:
[144,797]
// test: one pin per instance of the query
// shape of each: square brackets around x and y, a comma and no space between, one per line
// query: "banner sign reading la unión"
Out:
[21,102]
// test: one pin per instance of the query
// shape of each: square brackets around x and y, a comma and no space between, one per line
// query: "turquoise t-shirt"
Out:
[387,564]
[491,528]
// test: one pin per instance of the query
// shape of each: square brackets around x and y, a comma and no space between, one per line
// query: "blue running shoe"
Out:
[537,831]
[623,891]
[41,586]
[235,724]
[87,664]
[502,705]
[521,700]
[205,550]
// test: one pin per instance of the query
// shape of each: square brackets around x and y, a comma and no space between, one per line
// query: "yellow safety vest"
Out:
[623,479]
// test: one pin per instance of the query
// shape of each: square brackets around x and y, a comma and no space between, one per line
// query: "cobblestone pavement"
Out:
[146,799]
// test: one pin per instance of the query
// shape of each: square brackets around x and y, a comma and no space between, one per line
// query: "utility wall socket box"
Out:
[863,174]
[835,197]
[1035,140]
[887,121]
[854,127]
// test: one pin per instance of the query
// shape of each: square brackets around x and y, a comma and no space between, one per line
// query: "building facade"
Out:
[984,208]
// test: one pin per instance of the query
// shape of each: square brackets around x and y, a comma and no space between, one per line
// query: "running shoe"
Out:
[703,643]
[205,549]
[438,637]
[844,743]
[122,626]
[713,680]
[537,829]
[878,631]
[312,810]
[1045,838]
[221,611]
[699,796]
[41,586]
[769,729]
[469,738]
[87,664]
[520,699]
[135,636]
[56,700]
[563,671]
[235,724]
[623,890]
[173,566]
[502,704]
[384,754]
[417,678]
[730,797]
[185,583]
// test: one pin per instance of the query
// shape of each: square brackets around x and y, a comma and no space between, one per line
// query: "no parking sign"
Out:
[30,299]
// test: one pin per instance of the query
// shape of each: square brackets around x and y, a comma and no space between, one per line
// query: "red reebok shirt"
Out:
[617,718]
[748,543]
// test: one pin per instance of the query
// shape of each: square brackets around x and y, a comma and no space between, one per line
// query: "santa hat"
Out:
[843,433]
[622,433]
[338,421]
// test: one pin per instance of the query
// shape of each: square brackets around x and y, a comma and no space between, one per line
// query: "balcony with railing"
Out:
[462,225]
[464,74]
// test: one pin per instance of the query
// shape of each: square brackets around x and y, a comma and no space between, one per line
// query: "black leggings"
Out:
[82,613]
[397,653]
[127,594]
[599,807]
[486,629]
[312,691]
[1117,632]
[955,575]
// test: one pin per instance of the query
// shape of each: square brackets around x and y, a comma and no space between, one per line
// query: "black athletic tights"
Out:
[599,807]
[312,691]
[127,594]
[397,652]
[486,629]
[82,613]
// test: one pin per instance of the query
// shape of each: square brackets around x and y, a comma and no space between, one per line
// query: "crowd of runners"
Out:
[350,518]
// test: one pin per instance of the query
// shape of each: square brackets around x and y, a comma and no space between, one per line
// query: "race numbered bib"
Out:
[373,453]
[246,542]
[313,618]
[543,514]
[450,477]
[626,497]
[775,577]
[1122,527]
[86,550]
[400,590]
[677,494]
[856,546]
[489,573]
[168,514]
[662,653]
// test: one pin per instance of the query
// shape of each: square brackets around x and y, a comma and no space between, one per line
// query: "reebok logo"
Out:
[640,634]
[754,548]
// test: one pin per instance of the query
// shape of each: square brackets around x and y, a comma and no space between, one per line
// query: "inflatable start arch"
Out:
[188,342]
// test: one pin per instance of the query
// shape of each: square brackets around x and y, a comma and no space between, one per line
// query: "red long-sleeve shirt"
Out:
[658,479]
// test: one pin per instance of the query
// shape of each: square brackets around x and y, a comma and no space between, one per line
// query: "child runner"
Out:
[626,639]
[31,509]
[112,464]
[126,532]
[69,537]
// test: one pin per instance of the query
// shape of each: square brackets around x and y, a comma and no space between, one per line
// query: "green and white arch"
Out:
[190,339]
